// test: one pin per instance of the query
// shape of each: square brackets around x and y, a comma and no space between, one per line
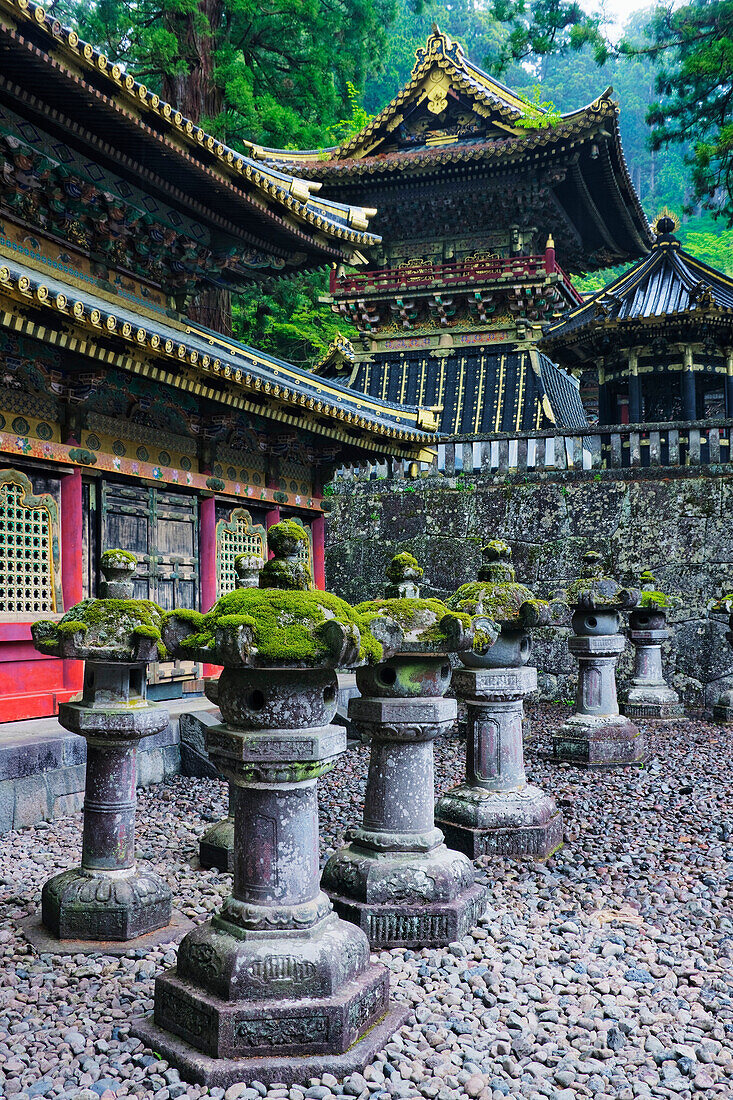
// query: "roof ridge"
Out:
[287,189]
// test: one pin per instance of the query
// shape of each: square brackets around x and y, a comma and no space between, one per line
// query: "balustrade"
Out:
[594,448]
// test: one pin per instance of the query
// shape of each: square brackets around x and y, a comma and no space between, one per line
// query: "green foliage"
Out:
[286,318]
[357,119]
[693,46]
[538,28]
[539,115]
[274,74]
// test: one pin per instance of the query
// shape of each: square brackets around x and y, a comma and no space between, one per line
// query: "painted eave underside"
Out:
[667,285]
[188,356]
[62,77]
[481,389]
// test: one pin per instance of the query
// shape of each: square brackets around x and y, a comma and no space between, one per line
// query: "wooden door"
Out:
[161,528]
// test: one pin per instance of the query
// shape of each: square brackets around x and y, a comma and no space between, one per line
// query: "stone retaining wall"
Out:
[677,522]
[42,774]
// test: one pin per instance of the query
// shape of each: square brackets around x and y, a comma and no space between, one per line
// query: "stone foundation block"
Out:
[405,924]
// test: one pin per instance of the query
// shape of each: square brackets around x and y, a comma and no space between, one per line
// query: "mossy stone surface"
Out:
[280,628]
[105,629]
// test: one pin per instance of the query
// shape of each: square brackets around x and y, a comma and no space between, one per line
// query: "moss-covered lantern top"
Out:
[411,625]
[286,570]
[114,627]
[651,596]
[594,590]
[498,595]
[280,624]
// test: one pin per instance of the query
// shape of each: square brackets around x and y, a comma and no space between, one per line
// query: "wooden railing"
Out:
[430,275]
[595,448]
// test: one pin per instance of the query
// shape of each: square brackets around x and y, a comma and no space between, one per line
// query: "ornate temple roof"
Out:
[93,101]
[669,286]
[451,118]
[196,360]
[476,389]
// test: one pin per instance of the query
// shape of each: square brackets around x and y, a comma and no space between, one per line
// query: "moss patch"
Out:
[498,602]
[400,565]
[106,624]
[117,558]
[411,616]
[285,625]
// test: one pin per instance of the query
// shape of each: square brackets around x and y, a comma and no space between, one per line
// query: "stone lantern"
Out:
[108,897]
[496,812]
[276,987]
[397,879]
[597,735]
[648,696]
[216,845]
[723,709]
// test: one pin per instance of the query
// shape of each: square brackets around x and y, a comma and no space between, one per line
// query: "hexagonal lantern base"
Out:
[605,742]
[288,1069]
[653,711]
[85,905]
[524,822]
[426,924]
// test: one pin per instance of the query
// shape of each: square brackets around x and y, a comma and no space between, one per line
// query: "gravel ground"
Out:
[605,972]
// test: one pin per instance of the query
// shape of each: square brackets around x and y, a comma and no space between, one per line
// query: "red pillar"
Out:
[318,530]
[72,562]
[550,266]
[271,518]
[207,552]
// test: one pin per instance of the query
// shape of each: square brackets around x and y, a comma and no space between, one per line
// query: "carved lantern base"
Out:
[648,696]
[275,987]
[496,812]
[397,879]
[723,709]
[597,735]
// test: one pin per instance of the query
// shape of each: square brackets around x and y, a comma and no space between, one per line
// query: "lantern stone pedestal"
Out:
[107,898]
[495,812]
[648,696]
[275,987]
[397,879]
[597,735]
[216,845]
[723,709]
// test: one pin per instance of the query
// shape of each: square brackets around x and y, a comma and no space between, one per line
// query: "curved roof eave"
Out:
[344,224]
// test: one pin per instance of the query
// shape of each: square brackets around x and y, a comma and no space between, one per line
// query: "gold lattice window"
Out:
[29,583]
[237,535]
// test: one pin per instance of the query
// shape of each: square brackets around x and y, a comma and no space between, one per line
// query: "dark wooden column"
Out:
[688,391]
[635,414]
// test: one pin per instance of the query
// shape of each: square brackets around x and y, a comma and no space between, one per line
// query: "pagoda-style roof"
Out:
[452,119]
[90,103]
[193,359]
[474,389]
[668,288]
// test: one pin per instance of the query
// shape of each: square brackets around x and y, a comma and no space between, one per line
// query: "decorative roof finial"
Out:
[665,224]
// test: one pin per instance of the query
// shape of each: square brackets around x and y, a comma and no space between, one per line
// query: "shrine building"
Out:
[660,338]
[485,205]
[122,422]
